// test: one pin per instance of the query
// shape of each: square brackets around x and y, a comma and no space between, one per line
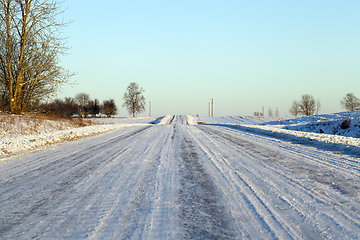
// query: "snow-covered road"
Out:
[180,181]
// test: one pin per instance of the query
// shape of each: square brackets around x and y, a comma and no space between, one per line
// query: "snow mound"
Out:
[191,120]
[127,120]
[165,120]
[322,140]
[10,145]
[325,131]
[344,124]
[36,133]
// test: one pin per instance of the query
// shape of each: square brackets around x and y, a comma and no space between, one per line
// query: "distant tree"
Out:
[53,108]
[295,108]
[109,108]
[70,107]
[307,105]
[256,114]
[276,112]
[270,113]
[318,106]
[58,107]
[134,99]
[83,101]
[94,107]
[350,102]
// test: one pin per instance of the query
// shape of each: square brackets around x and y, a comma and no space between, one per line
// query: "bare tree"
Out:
[70,107]
[350,102]
[307,105]
[270,113]
[83,101]
[109,108]
[276,112]
[134,99]
[318,106]
[30,46]
[295,108]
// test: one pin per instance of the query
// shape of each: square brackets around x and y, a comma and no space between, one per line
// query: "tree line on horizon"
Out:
[308,106]
[30,76]
[270,113]
[83,106]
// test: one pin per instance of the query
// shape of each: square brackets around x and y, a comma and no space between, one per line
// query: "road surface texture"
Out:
[180,181]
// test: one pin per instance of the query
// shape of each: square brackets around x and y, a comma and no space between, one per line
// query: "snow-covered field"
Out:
[28,133]
[324,131]
[172,178]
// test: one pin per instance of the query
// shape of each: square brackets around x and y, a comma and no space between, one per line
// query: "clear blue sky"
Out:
[244,54]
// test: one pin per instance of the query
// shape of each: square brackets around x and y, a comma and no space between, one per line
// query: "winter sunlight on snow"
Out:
[184,177]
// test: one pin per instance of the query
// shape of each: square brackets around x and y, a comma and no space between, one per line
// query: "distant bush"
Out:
[109,108]
[345,124]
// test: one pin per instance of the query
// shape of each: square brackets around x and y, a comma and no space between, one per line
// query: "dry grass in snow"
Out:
[28,124]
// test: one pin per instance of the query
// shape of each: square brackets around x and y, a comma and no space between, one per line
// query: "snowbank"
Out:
[48,132]
[302,130]
[334,142]
[165,120]
[10,145]
[127,120]
[191,120]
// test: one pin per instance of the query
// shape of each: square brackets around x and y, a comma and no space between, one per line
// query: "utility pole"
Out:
[209,109]
[212,107]
[149,108]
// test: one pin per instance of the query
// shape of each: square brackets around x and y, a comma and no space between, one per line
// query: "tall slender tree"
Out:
[318,106]
[276,112]
[94,107]
[295,108]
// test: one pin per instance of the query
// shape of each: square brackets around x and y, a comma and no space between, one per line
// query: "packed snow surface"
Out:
[173,178]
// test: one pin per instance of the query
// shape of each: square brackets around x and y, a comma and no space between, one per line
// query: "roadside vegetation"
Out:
[30,75]
[81,106]
[29,124]
[31,45]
